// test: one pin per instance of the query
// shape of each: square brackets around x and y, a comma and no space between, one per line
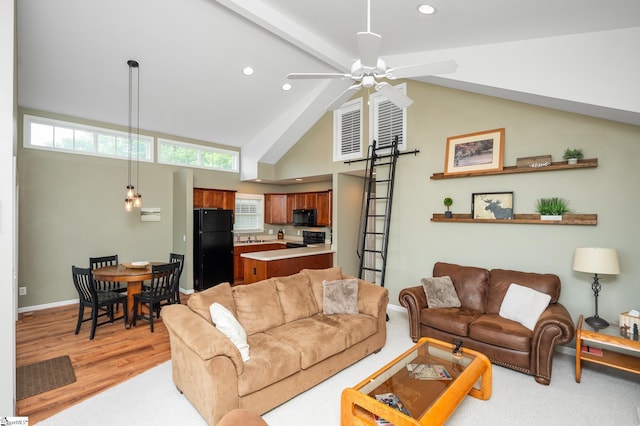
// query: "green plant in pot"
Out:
[552,208]
[447,203]
[572,155]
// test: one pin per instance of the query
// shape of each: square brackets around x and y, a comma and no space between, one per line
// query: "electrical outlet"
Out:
[298,232]
[270,231]
[22,291]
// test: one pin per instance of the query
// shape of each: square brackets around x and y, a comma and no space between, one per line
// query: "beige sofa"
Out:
[293,345]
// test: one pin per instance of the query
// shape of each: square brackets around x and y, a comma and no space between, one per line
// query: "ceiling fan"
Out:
[367,70]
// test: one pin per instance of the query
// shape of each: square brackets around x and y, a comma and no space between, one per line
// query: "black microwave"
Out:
[305,217]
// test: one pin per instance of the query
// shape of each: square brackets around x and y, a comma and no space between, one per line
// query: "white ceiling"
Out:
[72,56]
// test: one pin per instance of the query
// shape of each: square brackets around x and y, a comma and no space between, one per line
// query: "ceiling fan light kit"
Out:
[366,70]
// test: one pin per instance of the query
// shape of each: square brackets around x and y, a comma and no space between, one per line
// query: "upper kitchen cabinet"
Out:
[278,208]
[275,209]
[214,198]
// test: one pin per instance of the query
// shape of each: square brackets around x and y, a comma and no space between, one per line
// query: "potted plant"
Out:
[572,155]
[552,208]
[447,203]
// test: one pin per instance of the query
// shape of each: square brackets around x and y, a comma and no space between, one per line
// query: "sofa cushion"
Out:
[316,276]
[230,327]
[258,306]
[524,305]
[201,301]
[314,340]
[296,298]
[497,331]
[501,279]
[340,296]
[356,327]
[451,320]
[440,292]
[271,361]
[471,283]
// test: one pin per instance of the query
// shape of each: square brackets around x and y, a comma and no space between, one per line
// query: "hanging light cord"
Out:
[138,136]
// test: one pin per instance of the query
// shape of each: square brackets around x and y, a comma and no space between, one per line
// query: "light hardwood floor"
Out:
[113,356]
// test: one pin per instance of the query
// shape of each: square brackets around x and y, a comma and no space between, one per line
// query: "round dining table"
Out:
[133,276]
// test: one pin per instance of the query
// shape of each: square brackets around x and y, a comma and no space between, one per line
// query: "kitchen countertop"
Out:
[310,250]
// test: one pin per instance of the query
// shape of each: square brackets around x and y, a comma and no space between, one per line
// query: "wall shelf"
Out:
[532,219]
[560,165]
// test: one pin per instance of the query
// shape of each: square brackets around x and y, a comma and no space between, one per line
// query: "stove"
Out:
[309,237]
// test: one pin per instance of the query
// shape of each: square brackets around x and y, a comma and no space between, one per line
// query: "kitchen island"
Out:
[277,263]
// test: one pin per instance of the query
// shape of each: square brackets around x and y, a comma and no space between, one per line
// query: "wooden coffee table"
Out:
[430,402]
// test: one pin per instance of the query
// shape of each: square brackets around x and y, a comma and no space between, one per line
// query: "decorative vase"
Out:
[447,214]
[550,217]
[572,161]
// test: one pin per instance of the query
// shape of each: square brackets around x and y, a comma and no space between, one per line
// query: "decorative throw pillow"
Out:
[524,305]
[230,327]
[340,296]
[440,292]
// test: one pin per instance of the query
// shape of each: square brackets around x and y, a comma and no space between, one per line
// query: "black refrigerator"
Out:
[212,247]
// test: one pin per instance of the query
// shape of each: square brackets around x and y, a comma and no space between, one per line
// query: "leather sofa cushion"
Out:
[501,279]
[314,340]
[471,283]
[258,306]
[316,276]
[452,320]
[201,301]
[356,327]
[270,361]
[497,331]
[296,298]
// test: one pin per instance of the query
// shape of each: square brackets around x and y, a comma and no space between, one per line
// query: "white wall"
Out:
[7,205]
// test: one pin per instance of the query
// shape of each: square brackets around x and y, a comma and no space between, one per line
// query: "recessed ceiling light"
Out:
[426,9]
[247,71]
[286,87]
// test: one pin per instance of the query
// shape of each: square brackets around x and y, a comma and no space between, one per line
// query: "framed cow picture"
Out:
[492,205]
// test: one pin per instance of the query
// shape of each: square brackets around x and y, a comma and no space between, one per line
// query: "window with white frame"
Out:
[347,131]
[387,120]
[65,136]
[249,213]
[200,156]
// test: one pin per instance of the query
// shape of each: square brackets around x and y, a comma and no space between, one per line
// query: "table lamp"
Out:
[596,261]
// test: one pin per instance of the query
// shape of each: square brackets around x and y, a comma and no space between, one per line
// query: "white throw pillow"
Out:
[524,305]
[230,327]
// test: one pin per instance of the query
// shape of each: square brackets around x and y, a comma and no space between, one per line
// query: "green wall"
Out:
[610,190]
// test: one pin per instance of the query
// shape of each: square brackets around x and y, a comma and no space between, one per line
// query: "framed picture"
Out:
[474,152]
[492,205]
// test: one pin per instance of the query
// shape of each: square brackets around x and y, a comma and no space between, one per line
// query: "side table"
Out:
[607,347]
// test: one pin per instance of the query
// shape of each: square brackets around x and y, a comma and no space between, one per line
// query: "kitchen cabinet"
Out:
[238,262]
[214,198]
[275,209]
[325,208]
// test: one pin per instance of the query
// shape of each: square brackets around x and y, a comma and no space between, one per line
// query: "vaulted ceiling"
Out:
[571,54]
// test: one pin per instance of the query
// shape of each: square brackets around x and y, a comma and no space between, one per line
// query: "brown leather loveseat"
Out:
[479,326]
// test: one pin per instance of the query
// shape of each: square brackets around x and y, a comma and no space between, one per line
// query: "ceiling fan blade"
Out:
[343,97]
[315,75]
[395,96]
[420,70]
[369,49]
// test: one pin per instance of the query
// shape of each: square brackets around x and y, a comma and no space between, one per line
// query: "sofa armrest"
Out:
[414,299]
[554,327]
[186,328]
[372,299]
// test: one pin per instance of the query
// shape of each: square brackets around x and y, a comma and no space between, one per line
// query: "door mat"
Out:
[42,376]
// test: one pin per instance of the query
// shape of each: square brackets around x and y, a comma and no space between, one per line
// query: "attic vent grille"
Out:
[347,139]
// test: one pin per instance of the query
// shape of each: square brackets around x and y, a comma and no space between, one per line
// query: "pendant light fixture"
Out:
[134,198]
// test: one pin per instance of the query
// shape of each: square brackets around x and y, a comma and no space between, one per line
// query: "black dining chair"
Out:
[100,262]
[175,257]
[95,300]
[161,288]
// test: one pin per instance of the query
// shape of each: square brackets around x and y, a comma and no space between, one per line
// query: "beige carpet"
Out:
[42,376]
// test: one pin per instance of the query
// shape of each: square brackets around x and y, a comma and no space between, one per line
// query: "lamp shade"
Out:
[596,260]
